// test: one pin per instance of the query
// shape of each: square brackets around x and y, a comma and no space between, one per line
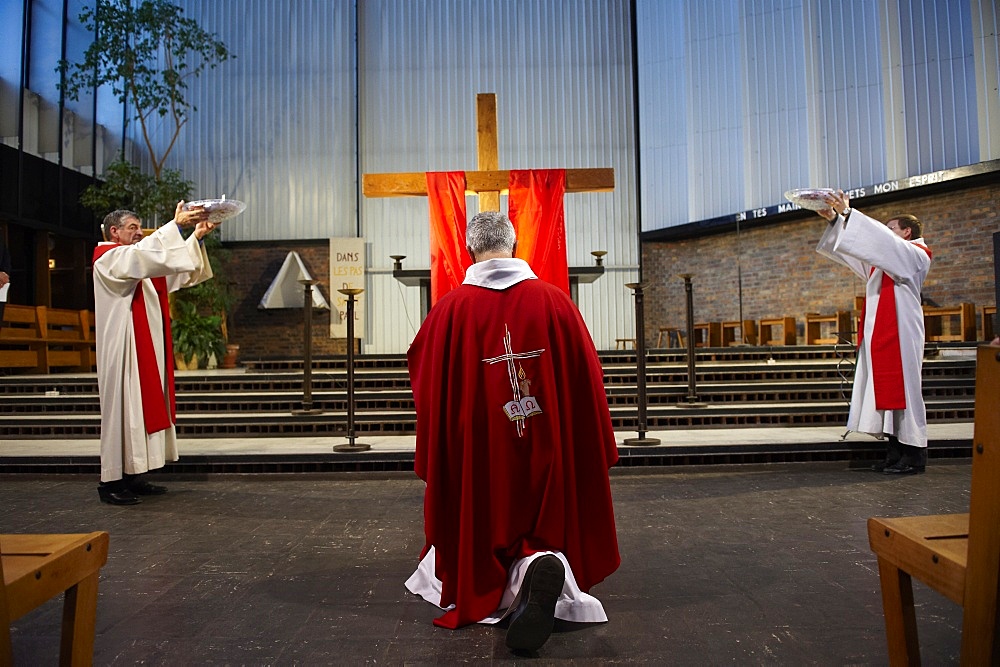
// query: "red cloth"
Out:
[887,358]
[494,495]
[535,207]
[449,258]
[155,416]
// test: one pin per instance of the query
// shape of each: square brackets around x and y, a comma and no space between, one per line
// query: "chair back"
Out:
[983,570]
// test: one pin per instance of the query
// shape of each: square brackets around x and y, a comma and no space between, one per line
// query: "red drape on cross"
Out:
[535,204]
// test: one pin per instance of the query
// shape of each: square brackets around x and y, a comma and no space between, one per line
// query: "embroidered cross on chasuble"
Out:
[535,207]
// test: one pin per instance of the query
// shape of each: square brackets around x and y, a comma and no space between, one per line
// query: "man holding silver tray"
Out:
[892,258]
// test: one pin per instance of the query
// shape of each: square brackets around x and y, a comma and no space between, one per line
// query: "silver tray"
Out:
[810,198]
[219,210]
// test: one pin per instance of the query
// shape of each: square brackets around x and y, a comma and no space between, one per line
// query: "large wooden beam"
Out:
[415,184]
[487,146]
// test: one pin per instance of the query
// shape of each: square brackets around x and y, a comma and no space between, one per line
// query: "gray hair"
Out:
[490,231]
[116,219]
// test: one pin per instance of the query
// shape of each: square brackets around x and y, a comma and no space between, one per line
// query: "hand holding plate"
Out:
[187,215]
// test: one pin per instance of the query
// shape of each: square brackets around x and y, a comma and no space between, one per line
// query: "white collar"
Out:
[498,273]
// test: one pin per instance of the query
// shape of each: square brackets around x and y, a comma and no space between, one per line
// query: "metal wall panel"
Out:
[562,75]
[790,93]
[276,126]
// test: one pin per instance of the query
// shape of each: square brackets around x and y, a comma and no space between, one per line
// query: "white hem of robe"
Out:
[498,273]
[573,604]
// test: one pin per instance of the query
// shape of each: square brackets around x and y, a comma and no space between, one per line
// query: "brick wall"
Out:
[278,334]
[783,274]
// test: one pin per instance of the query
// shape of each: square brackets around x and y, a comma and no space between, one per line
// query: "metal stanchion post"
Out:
[692,397]
[307,403]
[640,370]
[351,446]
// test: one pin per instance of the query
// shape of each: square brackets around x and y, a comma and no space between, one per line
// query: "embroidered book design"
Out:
[523,405]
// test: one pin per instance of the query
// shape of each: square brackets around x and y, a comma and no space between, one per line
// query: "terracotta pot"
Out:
[229,360]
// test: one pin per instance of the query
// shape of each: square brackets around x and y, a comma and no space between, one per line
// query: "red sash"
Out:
[154,405]
[886,355]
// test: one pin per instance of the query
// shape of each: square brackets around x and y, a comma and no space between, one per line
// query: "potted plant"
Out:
[197,337]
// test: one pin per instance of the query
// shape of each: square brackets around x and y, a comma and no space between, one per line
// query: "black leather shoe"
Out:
[893,454]
[535,604]
[141,487]
[113,496]
[903,468]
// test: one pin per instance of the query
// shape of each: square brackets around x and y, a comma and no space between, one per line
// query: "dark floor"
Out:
[750,565]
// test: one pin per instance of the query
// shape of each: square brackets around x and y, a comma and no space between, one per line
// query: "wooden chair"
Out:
[35,569]
[708,334]
[961,321]
[838,327]
[787,326]
[748,333]
[957,555]
[988,313]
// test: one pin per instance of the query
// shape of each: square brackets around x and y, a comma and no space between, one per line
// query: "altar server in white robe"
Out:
[133,275]
[887,399]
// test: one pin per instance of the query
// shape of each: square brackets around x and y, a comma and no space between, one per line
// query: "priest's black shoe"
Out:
[893,453]
[535,605]
[903,468]
[141,487]
[117,496]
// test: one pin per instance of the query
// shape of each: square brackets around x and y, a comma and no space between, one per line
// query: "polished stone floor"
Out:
[720,565]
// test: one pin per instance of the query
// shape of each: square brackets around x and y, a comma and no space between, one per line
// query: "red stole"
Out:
[154,408]
[886,355]
[449,258]
[535,206]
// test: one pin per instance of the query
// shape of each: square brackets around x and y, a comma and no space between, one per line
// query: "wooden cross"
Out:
[489,180]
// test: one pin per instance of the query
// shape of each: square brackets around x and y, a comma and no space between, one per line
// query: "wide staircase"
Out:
[735,387]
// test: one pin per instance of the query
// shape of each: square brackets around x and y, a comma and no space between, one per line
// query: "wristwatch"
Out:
[847,212]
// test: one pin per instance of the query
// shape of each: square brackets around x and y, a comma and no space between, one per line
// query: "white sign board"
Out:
[347,269]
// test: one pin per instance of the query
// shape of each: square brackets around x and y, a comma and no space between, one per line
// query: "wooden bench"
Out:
[708,334]
[957,555]
[747,333]
[37,568]
[788,336]
[949,324]
[673,334]
[623,343]
[41,339]
[837,326]
[989,312]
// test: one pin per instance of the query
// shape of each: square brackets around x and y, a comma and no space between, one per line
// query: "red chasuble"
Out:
[514,441]
[449,258]
[535,207]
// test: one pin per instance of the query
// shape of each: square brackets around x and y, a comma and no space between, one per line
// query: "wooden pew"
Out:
[22,342]
[957,555]
[37,568]
[788,334]
[988,313]
[838,326]
[69,338]
[962,330]
[41,339]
